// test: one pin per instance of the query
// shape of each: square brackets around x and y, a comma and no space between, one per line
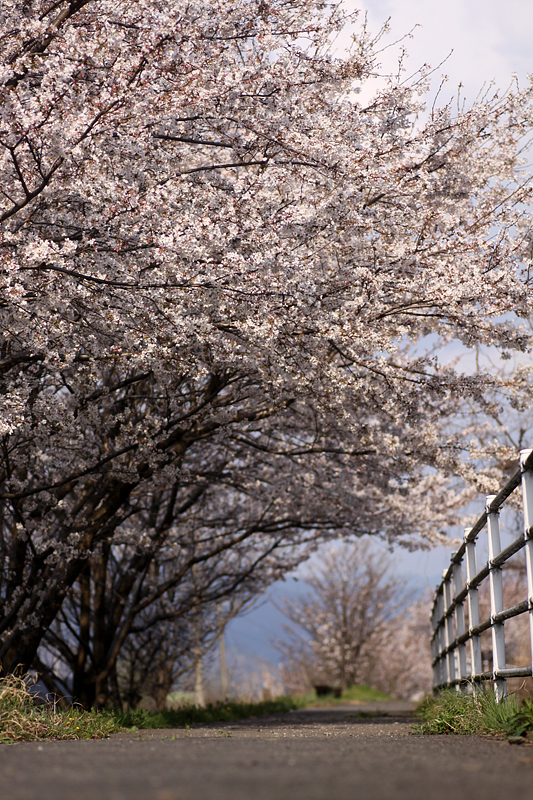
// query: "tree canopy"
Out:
[224,283]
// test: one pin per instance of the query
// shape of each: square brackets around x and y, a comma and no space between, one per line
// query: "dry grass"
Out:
[22,720]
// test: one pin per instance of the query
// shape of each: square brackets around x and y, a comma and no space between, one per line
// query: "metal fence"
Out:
[457,629]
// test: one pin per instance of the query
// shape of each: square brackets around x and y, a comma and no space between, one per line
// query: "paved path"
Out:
[319,754]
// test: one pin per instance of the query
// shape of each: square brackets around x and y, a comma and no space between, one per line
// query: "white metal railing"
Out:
[454,626]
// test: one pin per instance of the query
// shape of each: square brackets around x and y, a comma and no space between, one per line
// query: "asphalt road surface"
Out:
[319,754]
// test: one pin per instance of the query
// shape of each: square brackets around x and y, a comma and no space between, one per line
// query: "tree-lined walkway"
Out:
[319,754]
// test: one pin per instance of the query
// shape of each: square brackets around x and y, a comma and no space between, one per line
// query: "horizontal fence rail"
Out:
[457,629]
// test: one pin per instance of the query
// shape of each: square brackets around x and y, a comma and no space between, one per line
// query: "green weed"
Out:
[522,721]
[462,713]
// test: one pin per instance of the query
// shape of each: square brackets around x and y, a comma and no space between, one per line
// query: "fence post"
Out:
[435,646]
[441,642]
[527,496]
[496,600]
[459,620]
[473,611]
[448,630]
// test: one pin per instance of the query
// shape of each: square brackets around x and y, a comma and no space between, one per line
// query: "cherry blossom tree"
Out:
[224,285]
[337,625]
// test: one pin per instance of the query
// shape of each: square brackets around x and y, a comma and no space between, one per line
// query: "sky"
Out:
[480,41]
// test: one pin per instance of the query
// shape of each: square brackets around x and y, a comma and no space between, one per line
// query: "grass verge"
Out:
[22,720]
[463,714]
[355,694]
[212,712]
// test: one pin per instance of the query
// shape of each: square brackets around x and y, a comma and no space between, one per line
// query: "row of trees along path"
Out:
[226,277]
